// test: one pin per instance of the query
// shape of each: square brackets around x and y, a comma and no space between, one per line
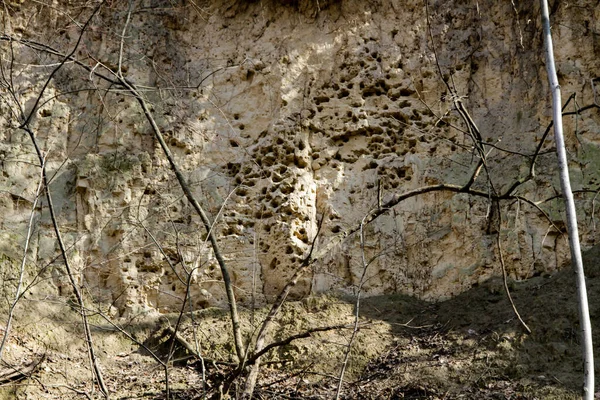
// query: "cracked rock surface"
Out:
[282,114]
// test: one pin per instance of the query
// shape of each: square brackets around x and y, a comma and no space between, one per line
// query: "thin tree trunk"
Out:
[63,251]
[18,291]
[584,315]
[365,265]
[235,321]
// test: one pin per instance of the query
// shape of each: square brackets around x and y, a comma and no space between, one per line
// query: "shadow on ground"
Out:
[474,347]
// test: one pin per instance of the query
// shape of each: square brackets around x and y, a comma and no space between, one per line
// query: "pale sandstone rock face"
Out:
[285,113]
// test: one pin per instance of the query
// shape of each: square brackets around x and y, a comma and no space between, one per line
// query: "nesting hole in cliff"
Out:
[301,234]
[288,211]
[321,99]
[289,250]
[404,172]
[201,304]
[399,116]
[389,142]
[233,168]
[415,116]
[275,177]
[375,147]
[148,267]
[350,158]
[288,189]
[371,165]
[266,150]
[47,113]
[343,93]
[236,116]
[289,149]
[371,91]
[263,214]
[412,142]
[336,229]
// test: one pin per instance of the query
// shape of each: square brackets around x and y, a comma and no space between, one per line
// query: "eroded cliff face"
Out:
[282,115]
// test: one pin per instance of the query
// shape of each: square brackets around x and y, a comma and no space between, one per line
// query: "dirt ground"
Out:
[469,347]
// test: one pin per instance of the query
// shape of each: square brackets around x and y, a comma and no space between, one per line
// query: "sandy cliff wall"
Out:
[285,113]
